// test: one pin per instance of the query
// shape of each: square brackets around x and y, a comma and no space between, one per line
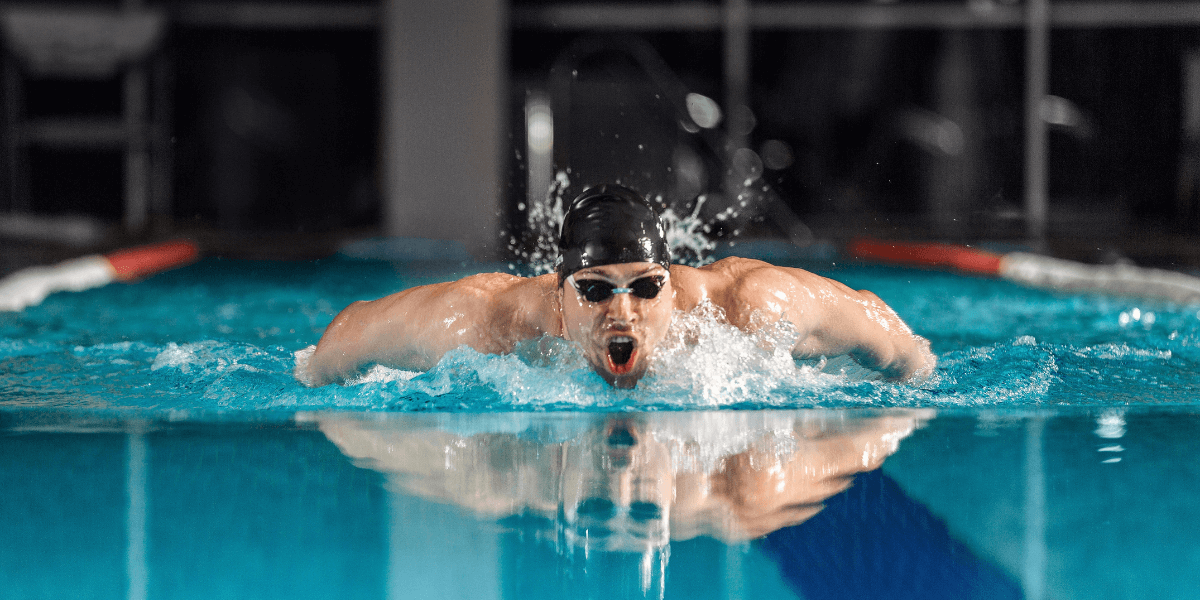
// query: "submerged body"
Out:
[619,334]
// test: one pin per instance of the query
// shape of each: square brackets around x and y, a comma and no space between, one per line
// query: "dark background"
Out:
[847,105]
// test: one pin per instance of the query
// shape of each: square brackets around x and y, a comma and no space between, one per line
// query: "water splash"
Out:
[709,362]
[543,221]
[688,234]
[704,363]
[998,345]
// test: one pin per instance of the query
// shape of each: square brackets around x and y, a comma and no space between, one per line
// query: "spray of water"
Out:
[543,221]
[688,234]
[703,362]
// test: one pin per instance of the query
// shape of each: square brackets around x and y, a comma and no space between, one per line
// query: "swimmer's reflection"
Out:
[724,474]
[634,483]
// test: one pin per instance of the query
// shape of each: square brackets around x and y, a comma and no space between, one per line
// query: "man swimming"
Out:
[614,294]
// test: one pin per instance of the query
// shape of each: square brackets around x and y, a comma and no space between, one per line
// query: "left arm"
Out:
[832,320]
[867,329]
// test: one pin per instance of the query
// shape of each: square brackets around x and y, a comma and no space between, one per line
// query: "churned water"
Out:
[156,445]
[224,335]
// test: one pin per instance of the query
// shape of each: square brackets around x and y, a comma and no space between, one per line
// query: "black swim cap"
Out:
[610,224]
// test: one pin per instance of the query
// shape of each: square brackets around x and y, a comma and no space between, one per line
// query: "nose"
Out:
[620,309]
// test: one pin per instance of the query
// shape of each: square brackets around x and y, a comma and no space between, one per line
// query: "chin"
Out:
[625,381]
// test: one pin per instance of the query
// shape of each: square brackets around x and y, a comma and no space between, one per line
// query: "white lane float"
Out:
[1035,270]
[28,287]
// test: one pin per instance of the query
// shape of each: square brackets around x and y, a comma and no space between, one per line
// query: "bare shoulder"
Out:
[503,308]
[830,317]
[481,298]
[413,328]
[736,270]
[421,303]
[526,306]
[743,284]
[480,285]
[701,283]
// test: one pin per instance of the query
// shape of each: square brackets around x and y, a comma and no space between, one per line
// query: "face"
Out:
[617,487]
[618,333]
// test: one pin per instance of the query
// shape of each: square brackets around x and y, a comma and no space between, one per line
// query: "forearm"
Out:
[871,333]
[901,354]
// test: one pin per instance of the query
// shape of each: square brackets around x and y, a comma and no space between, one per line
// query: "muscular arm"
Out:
[831,318]
[412,329]
[860,324]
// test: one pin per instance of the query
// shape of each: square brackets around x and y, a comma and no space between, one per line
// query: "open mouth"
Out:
[620,354]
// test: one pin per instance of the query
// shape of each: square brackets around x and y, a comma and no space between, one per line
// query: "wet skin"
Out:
[698,485]
[492,312]
[600,329]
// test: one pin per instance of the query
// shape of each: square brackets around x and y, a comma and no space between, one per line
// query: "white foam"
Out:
[208,357]
[300,371]
[1122,352]
[698,441]
[184,357]
[704,362]
[382,374]
[709,362]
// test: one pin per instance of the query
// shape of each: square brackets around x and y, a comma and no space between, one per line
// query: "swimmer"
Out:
[614,293]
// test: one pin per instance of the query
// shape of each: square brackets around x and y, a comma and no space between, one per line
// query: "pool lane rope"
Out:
[1035,270]
[30,286]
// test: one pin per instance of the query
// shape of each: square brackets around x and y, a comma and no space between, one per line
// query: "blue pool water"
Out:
[156,445]
[222,335]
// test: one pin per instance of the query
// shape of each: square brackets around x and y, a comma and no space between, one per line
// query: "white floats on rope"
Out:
[28,287]
[1035,270]
[1125,280]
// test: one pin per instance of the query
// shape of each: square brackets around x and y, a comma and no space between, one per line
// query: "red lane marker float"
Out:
[926,254]
[30,286]
[131,264]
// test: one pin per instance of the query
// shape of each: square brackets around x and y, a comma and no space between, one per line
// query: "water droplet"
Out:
[703,110]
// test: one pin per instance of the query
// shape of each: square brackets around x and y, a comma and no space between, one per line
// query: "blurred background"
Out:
[284,129]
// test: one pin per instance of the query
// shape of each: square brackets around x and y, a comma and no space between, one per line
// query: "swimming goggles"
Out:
[598,290]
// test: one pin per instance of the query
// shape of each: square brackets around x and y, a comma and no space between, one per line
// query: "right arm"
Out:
[412,329]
